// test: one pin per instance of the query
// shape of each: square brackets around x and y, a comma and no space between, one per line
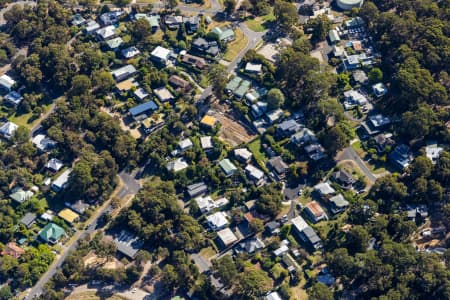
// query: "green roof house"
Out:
[51,233]
[225,34]
[227,167]
[21,196]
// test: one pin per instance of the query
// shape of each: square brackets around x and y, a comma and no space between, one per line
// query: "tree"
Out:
[275,98]
[5,292]
[286,14]
[229,5]
[375,75]
[103,82]
[320,291]
[421,167]
[80,85]
[253,282]
[417,123]
[140,29]
[334,140]
[171,4]
[270,199]
[357,239]
[21,135]
[122,3]
[217,76]
[320,27]
[257,225]
[225,268]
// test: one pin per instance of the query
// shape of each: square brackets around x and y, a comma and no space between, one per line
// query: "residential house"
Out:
[278,167]
[123,73]
[338,204]
[6,83]
[127,243]
[280,251]
[272,227]
[177,165]
[126,86]
[217,221]
[114,44]
[315,151]
[242,89]
[208,121]
[13,250]
[68,215]
[61,182]
[205,204]
[204,47]
[173,22]
[144,110]
[51,233]
[28,220]
[13,98]
[401,157]
[130,52]
[79,206]
[274,116]
[141,94]
[433,152]
[161,55]
[324,189]
[243,155]
[106,33]
[191,24]
[153,20]
[333,36]
[43,142]
[233,84]
[315,211]
[91,27]
[338,51]
[185,144]
[20,196]
[273,296]
[179,83]
[306,233]
[251,246]
[288,128]
[8,129]
[303,137]
[206,143]
[196,189]
[379,90]
[375,124]
[54,165]
[255,175]
[344,179]
[383,141]
[354,98]
[194,61]
[226,237]
[253,68]
[414,211]
[78,20]
[110,18]
[258,109]
[359,76]
[227,167]
[225,34]
[163,94]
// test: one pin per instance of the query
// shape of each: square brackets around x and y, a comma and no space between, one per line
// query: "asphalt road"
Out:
[350,154]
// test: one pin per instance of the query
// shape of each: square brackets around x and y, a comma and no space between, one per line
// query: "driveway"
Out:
[350,154]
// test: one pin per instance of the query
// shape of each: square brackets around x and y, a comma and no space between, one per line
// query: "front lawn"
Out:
[236,46]
[260,24]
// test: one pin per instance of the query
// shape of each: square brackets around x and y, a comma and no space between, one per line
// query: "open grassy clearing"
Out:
[260,24]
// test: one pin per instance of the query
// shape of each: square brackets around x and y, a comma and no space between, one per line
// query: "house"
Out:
[43,142]
[51,233]
[114,44]
[233,84]
[354,23]
[303,137]
[54,165]
[144,110]
[123,73]
[173,22]
[28,220]
[61,182]
[126,85]
[208,48]
[278,167]
[6,83]
[130,52]
[78,20]
[258,109]
[127,243]
[141,94]
[226,237]
[273,296]
[383,141]
[47,216]
[338,204]
[379,90]
[253,68]
[13,250]
[208,121]
[315,151]
[375,124]
[324,189]
[274,116]
[243,155]
[227,167]
[306,233]
[282,250]
[315,211]
[338,51]
[433,152]
[110,18]
[272,227]
[177,165]
[217,221]
[194,61]
[79,206]
[13,98]
[152,20]
[160,55]
[91,26]
[344,179]
[163,94]
[242,89]
[359,76]
[255,174]
[191,24]
[196,189]
[288,128]
[8,129]
[224,34]
[20,196]
[333,36]
[205,204]
[106,33]
[414,211]
[253,95]
[401,157]
[206,143]
[179,83]
[252,245]
[68,215]
[354,98]
[185,144]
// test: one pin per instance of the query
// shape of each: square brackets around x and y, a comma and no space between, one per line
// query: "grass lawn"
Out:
[146,1]
[256,149]
[358,148]
[93,296]
[208,252]
[260,24]
[26,120]
[236,46]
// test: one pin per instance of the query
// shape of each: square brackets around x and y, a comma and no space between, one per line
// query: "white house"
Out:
[7,82]
[8,129]
[161,55]
[217,221]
